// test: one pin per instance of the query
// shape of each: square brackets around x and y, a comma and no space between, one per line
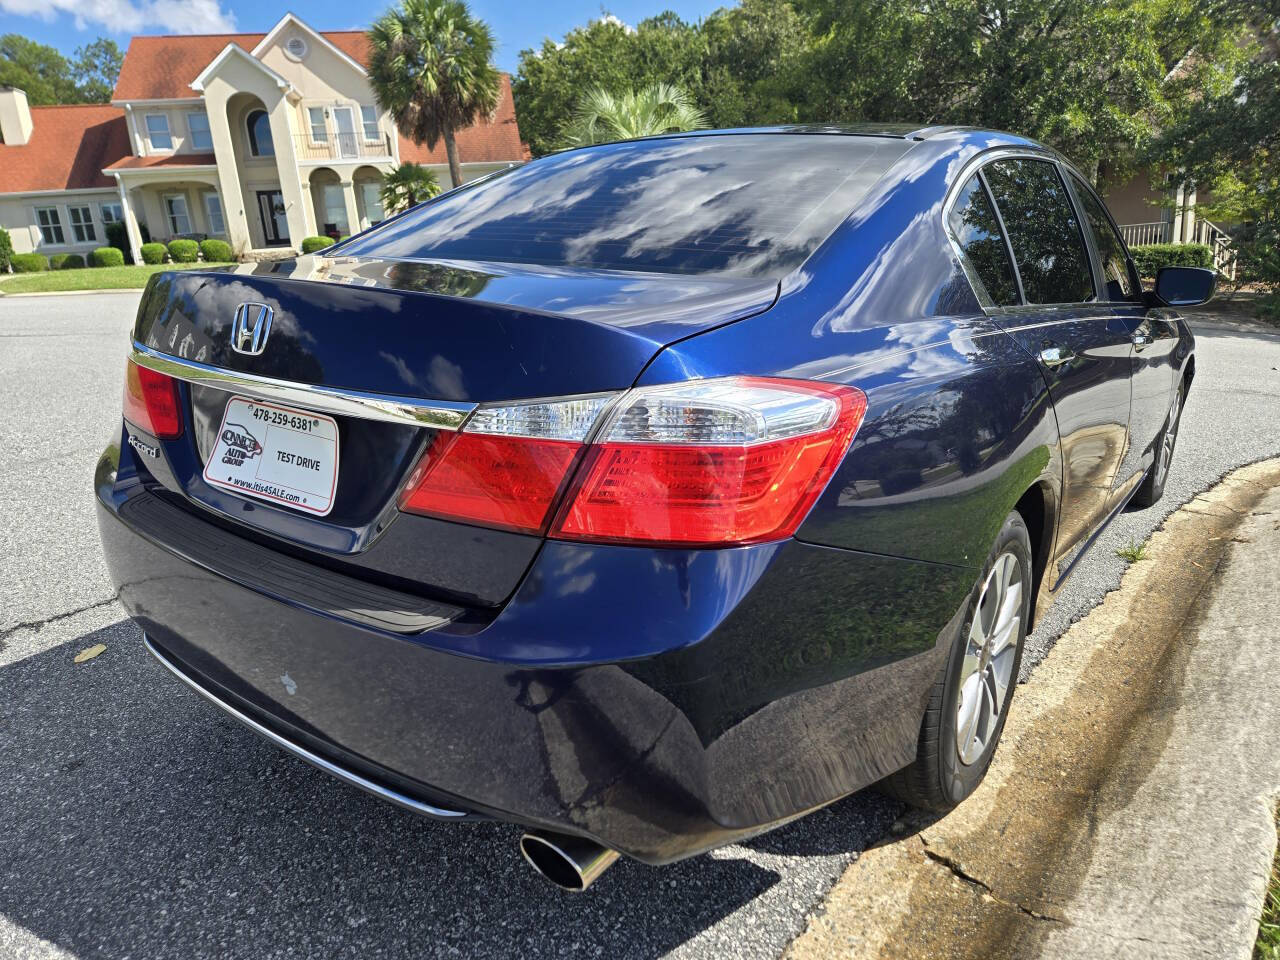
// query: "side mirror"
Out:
[1184,286]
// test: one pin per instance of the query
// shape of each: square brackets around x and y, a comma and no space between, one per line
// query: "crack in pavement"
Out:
[39,624]
[957,870]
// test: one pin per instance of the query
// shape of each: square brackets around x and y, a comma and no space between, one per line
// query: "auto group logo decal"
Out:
[241,445]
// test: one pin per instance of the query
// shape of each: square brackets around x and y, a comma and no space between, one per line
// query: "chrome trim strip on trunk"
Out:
[436,414]
[342,773]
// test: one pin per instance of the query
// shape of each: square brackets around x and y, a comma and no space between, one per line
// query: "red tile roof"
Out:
[162,68]
[68,148]
[169,160]
[491,139]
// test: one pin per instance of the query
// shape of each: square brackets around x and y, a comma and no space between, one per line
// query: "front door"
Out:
[275,224]
[345,122]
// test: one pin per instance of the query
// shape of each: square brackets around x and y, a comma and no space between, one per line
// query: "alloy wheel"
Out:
[1168,439]
[988,658]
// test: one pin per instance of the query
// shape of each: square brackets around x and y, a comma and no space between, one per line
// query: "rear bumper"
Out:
[659,702]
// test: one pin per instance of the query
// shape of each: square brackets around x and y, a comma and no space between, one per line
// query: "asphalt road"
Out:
[139,822]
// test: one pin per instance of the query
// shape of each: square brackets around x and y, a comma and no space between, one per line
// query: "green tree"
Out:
[752,69]
[602,117]
[431,66]
[605,54]
[96,69]
[39,70]
[406,186]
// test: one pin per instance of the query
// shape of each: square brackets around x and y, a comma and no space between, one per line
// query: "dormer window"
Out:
[259,125]
[158,131]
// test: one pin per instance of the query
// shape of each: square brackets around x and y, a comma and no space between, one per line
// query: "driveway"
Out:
[140,822]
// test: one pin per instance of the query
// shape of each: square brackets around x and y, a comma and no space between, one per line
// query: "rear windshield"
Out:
[747,205]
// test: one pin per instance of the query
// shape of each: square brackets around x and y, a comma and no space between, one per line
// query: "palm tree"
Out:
[431,67]
[602,117]
[407,185]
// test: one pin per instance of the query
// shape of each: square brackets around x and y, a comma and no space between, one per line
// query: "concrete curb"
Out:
[69,293]
[1106,827]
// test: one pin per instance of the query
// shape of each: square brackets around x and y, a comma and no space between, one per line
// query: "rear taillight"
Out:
[151,402]
[705,463]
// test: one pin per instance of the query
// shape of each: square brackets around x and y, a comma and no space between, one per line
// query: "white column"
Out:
[1178,201]
[349,198]
[130,222]
[1189,215]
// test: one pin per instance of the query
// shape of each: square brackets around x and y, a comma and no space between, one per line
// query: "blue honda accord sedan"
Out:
[654,494]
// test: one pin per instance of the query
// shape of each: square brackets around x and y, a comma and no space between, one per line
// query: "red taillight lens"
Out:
[689,495]
[151,402]
[706,463]
[507,482]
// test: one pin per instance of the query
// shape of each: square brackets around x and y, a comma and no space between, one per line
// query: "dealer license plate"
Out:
[274,453]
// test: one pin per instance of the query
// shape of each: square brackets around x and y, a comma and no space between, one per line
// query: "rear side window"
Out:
[1115,264]
[973,225]
[1043,230]
[748,205]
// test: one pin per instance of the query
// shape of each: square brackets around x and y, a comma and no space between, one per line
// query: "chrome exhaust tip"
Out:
[571,863]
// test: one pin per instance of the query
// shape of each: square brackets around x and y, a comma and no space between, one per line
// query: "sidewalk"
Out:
[1129,812]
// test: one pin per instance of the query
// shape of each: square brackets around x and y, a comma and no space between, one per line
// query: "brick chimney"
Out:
[15,116]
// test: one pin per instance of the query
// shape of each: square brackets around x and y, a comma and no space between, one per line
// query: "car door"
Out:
[1154,339]
[1084,347]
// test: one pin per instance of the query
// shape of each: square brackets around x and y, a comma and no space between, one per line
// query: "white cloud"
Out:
[131,16]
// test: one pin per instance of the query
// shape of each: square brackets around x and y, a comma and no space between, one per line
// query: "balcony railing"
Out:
[1210,234]
[341,146]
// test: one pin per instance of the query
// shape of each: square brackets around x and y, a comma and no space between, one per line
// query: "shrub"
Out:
[153,252]
[312,244]
[6,251]
[184,251]
[66,261]
[29,262]
[118,237]
[215,250]
[1152,256]
[107,257]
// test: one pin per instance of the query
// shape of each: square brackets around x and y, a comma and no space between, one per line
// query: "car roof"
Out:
[898,131]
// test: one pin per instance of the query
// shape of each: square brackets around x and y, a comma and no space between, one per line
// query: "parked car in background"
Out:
[653,494]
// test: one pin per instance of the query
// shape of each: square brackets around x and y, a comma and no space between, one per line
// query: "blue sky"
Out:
[67,24]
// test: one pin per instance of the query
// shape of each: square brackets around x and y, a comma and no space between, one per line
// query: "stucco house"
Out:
[259,139]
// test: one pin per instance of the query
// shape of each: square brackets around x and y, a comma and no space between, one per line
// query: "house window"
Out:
[82,224]
[259,125]
[318,132]
[370,194]
[198,124]
[158,131]
[111,212]
[50,225]
[370,117]
[175,208]
[213,207]
[335,208]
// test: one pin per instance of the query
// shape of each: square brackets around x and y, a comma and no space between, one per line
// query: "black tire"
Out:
[1152,488]
[939,778]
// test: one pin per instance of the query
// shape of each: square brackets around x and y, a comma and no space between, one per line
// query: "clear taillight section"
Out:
[706,463]
[151,402]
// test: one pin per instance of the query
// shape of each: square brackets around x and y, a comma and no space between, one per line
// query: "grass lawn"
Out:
[90,278]
[1268,945]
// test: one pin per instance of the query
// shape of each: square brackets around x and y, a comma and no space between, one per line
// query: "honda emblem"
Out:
[250,328]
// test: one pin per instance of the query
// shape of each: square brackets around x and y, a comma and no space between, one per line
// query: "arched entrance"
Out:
[255,155]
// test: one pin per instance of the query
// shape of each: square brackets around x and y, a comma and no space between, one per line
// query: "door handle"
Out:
[1055,356]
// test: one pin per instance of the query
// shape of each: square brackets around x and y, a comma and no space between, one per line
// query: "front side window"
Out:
[82,224]
[213,207]
[259,124]
[158,131]
[111,212]
[50,225]
[369,117]
[318,132]
[1115,262]
[1043,230]
[973,225]
[198,124]
[175,208]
